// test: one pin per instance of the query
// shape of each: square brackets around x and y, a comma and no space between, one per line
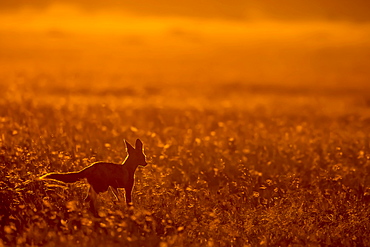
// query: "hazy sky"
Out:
[339,10]
[270,41]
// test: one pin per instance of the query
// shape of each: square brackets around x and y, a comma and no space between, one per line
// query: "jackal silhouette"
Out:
[102,175]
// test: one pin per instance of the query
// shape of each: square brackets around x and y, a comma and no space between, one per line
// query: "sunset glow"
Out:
[184,123]
[262,50]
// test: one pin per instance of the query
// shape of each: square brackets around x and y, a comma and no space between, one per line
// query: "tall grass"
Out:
[221,172]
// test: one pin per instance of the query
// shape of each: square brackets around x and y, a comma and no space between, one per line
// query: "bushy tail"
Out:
[69,177]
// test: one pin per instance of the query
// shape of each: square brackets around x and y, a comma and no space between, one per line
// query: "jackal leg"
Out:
[92,199]
[87,197]
[115,193]
[128,191]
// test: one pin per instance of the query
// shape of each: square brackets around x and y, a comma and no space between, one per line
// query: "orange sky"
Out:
[199,41]
[339,10]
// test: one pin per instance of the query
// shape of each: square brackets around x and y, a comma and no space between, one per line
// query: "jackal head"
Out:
[137,153]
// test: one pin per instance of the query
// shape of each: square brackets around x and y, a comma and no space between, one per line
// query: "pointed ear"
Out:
[129,148]
[138,145]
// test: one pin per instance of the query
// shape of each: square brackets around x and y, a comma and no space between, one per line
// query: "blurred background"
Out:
[325,44]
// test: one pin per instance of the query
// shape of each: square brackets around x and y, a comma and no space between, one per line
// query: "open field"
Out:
[256,128]
[230,165]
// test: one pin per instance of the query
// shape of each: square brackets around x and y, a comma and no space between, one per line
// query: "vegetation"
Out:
[229,165]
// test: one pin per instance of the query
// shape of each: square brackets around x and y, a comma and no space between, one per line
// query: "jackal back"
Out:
[101,175]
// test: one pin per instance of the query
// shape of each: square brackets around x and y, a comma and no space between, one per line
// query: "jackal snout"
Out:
[143,163]
[141,158]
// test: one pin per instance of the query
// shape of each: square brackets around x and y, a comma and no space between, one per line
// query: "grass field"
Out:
[230,165]
[257,132]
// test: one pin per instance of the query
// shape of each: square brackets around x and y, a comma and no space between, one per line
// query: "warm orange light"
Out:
[171,47]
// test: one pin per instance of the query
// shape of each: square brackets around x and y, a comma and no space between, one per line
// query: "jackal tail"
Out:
[69,177]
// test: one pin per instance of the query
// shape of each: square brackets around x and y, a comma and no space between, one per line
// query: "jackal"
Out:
[102,175]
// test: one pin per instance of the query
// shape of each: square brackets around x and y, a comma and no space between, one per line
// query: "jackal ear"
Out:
[138,145]
[129,148]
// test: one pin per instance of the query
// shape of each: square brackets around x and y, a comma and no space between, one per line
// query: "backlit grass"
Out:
[229,165]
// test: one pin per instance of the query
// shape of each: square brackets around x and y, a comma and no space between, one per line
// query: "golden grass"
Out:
[230,165]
